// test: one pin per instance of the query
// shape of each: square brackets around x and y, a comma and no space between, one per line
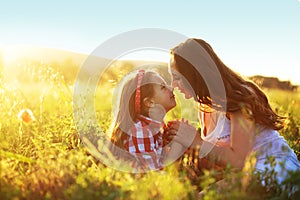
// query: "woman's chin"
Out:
[187,96]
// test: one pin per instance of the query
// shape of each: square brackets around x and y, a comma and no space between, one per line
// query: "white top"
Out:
[267,143]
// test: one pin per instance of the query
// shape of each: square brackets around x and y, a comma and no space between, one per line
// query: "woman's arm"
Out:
[241,142]
[175,150]
[242,139]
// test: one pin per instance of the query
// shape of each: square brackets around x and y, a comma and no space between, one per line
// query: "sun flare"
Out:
[11,53]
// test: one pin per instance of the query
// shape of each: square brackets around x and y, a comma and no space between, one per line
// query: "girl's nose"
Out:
[170,88]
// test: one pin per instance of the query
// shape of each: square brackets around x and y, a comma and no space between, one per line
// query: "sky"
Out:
[251,37]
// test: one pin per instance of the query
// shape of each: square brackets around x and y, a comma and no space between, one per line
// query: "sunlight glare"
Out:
[147,55]
[11,53]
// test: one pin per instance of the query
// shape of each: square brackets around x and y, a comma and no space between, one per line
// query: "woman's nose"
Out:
[174,84]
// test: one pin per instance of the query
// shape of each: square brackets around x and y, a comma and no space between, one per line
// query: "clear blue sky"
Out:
[252,37]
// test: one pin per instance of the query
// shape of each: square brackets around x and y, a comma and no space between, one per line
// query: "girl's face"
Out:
[178,81]
[163,94]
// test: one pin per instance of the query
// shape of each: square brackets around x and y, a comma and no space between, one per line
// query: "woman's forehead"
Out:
[174,72]
[172,61]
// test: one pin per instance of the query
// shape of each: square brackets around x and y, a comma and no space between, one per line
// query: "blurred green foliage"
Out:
[45,159]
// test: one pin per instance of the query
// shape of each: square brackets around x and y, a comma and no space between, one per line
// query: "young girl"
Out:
[138,126]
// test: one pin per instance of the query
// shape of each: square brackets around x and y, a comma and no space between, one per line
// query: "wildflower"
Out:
[26,115]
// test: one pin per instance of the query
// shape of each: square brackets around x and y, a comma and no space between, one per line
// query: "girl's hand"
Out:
[171,130]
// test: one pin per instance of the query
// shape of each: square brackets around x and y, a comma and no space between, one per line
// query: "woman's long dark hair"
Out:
[240,94]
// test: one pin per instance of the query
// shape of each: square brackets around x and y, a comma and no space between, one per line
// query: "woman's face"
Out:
[178,81]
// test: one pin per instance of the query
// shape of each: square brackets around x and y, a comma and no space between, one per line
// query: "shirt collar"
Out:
[151,122]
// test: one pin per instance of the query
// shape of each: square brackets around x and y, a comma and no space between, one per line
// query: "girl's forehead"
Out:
[156,78]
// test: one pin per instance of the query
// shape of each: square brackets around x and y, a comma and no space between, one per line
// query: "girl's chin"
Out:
[171,106]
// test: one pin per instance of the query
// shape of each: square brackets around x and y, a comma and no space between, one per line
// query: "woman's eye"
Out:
[175,77]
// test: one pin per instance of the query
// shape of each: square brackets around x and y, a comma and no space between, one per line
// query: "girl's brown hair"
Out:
[240,94]
[126,114]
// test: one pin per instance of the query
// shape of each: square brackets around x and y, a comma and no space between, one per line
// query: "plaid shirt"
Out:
[145,142]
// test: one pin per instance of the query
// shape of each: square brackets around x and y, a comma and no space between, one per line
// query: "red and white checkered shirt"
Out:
[145,142]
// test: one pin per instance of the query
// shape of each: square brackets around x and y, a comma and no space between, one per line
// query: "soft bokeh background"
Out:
[43,44]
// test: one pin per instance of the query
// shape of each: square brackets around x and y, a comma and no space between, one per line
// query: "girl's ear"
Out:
[148,102]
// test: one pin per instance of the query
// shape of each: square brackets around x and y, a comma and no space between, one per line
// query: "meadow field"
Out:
[42,156]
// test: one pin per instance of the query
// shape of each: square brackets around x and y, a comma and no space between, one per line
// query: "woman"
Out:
[237,119]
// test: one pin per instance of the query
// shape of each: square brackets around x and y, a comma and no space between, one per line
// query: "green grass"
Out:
[45,159]
[285,102]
